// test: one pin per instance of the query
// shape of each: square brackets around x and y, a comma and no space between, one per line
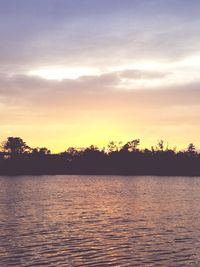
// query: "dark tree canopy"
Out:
[16,157]
[15,145]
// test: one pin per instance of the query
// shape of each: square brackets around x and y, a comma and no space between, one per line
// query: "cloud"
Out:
[92,107]
[146,54]
[23,91]
[95,33]
[141,74]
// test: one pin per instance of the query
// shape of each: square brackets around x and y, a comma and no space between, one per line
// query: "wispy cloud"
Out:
[114,67]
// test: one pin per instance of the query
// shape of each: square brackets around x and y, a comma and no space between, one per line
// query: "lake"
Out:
[99,221]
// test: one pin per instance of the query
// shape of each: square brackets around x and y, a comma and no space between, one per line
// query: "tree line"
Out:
[17,158]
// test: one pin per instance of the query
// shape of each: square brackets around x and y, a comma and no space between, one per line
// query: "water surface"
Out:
[99,221]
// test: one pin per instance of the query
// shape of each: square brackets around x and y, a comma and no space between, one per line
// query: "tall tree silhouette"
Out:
[15,146]
[16,158]
[131,145]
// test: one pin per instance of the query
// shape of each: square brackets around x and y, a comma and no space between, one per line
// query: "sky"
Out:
[82,72]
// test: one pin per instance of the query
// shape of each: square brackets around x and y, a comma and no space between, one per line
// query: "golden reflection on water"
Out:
[99,221]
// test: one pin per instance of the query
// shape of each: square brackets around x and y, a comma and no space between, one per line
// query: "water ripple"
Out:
[99,221]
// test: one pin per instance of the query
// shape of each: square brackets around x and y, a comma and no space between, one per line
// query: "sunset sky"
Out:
[81,72]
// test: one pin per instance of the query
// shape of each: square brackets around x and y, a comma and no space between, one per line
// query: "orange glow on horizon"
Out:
[58,139]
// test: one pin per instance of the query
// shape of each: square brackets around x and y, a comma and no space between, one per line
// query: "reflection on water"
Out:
[99,221]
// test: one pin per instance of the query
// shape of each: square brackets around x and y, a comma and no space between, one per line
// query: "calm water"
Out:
[99,221]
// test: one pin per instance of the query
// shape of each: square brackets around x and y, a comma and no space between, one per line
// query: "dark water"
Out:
[99,221]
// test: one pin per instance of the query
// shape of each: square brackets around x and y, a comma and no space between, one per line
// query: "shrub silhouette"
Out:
[16,157]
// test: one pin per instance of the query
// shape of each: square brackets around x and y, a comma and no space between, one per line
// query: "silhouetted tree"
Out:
[18,158]
[160,145]
[113,146]
[132,145]
[15,146]
[41,151]
[92,148]
[191,148]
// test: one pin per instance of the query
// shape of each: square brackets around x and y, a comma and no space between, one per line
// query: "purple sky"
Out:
[119,68]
